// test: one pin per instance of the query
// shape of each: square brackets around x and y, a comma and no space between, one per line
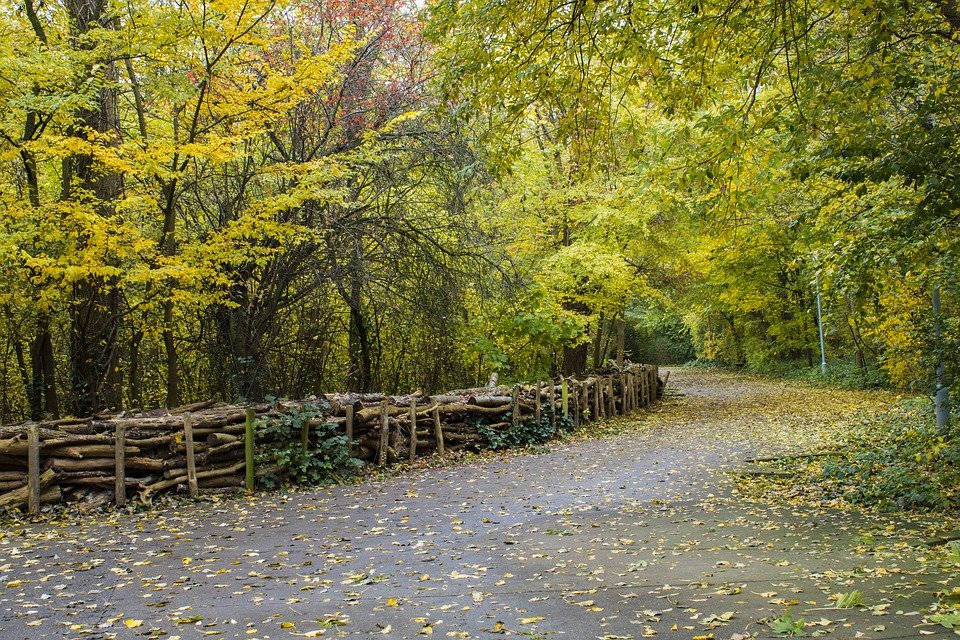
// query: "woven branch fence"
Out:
[209,446]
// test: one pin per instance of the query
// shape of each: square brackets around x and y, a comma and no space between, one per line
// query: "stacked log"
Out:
[202,446]
[82,454]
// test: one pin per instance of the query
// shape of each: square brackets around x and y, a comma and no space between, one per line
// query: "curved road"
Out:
[631,535]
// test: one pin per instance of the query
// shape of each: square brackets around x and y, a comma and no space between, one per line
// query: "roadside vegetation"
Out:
[892,461]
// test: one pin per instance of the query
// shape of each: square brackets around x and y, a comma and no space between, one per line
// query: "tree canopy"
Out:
[249,198]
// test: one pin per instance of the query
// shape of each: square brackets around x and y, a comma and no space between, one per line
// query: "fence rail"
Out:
[210,446]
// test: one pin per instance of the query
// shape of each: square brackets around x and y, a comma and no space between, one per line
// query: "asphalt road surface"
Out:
[633,535]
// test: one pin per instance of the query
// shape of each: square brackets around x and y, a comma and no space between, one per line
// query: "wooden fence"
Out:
[210,446]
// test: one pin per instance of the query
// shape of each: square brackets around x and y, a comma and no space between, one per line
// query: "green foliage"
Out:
[526,433]
[325,459]
[658,338]
[845,374]
[953,554]
[948,620]
[898,461]
[849,600]
[788,625]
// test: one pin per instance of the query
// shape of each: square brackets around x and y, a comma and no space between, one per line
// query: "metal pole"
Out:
[823,351]
[942,397]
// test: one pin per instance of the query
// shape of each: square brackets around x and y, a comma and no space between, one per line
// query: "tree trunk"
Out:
[360,377]
[598,343]
[575,360]
[606,352]
[43,389]
[361,373]
[621,336]
[135,390]
[94,324]
[94,302]
[855,333]
[170,349]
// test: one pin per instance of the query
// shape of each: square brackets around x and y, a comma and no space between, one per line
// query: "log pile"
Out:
[83,455]
[202,446]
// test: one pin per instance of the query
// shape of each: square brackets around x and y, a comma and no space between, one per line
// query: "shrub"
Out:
[898,461]
[528,432]
[325,459]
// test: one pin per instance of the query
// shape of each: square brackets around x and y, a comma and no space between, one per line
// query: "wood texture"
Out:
[248,442]
[105,458]
[120,466]
[191,460]
[412,454]
[33,469]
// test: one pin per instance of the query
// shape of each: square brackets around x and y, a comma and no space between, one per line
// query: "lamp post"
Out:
[823,351]
[941,396]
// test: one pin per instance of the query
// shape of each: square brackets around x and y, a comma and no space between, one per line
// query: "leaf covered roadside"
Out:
[623,534]
[891,461]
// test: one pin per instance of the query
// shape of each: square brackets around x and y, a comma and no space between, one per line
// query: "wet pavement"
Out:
[632,535]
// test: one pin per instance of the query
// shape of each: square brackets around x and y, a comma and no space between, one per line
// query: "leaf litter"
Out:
[633,529]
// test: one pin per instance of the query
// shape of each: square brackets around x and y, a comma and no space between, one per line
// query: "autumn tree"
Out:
[819,129]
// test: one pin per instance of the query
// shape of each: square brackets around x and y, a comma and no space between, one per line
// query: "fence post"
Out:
[576,405]
[515,414]
[597,414]
[651,389]
[627,392]
[625,385]
[33,469]
[120,464]
[248,450]
[628,398]
[586,414]
[349,429]
[413,429]
[437,429]
[536,403]
[604,403]
[624,399]
[552,394]
[612,384]
[613,396]
[644,384]
[565,397]
[191,461]
[384,434]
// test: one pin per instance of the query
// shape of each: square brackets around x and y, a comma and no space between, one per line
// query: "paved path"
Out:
[628,536]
